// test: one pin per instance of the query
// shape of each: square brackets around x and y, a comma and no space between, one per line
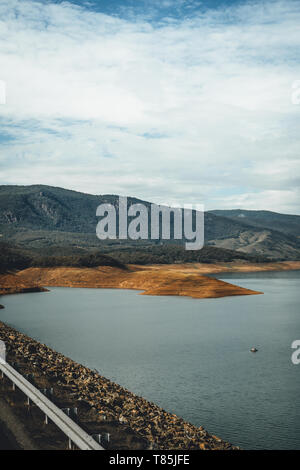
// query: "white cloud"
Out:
[213,91]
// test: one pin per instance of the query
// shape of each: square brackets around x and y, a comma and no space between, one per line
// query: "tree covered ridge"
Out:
[14,258]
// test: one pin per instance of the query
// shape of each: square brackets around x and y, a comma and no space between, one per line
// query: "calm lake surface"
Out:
[189,356]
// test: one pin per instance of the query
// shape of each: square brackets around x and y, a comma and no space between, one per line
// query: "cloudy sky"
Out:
[173,101]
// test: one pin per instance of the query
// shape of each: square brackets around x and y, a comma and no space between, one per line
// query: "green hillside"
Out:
[57,222]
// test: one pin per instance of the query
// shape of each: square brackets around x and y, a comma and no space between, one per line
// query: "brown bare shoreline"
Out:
[176,279]
[152,280]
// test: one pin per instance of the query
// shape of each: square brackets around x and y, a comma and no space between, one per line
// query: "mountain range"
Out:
[50,219]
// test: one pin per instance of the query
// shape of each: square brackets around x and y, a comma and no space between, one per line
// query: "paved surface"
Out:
[5,443]
[13,435]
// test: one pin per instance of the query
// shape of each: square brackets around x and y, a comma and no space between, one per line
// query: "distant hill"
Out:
[56,221]
[285,223]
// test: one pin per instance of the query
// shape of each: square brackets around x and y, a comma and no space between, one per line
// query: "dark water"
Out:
[189,356]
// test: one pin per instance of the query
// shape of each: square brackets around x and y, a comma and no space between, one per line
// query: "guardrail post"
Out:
[74,414]
[29,377]
[106,438]
[48,392]
[66,411]
[97,438]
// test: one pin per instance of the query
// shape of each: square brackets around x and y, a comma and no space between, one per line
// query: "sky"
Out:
[173,101]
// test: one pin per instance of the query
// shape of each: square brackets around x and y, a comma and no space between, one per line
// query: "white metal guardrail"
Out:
[74,432]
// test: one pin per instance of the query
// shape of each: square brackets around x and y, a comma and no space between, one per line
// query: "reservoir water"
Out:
[189,356]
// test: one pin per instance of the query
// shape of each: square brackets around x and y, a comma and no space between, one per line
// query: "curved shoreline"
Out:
[187,279]
[152,280]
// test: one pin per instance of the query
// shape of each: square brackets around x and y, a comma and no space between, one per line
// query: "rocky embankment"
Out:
[153,425]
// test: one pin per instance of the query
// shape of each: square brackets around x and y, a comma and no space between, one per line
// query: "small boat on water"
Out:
[253,350]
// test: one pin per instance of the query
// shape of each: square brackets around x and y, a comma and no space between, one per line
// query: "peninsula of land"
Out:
[189,280]
[179,280]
